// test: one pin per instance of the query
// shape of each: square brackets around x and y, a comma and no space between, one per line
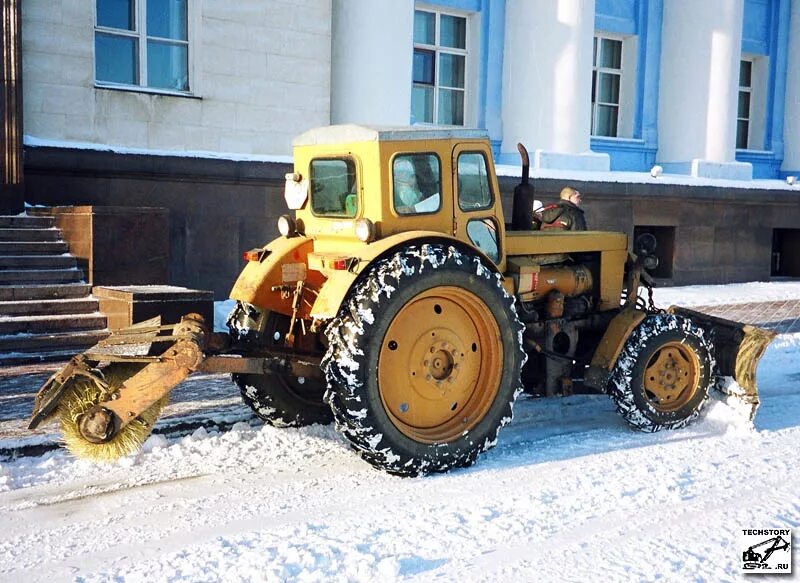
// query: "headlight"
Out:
[650,262]
[286,226]
[365,230]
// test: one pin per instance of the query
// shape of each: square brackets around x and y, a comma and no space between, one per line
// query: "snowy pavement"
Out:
[569,494]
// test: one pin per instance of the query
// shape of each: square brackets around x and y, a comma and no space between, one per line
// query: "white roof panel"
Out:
[350,133]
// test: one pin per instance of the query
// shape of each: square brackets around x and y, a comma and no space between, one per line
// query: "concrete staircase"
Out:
[46,310]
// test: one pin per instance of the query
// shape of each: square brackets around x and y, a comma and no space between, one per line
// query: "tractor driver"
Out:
[566,214]
[408,196]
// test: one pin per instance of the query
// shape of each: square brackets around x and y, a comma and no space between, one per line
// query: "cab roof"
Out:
[351,133]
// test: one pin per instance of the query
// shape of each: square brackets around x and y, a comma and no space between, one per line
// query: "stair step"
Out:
[51,324]
[49,307]
[76,341]
[24,276]
[58,355]
[44,291]
[38,261]
[32,247]
[27,222]
[34,234]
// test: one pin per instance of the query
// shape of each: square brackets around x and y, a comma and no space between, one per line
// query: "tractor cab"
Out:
[354,185]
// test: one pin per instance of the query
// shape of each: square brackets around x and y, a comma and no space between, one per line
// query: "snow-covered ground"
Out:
[569,494]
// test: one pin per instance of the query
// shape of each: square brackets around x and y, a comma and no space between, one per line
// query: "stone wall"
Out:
[259,75]
[220,208]
[722,235]
[217,208]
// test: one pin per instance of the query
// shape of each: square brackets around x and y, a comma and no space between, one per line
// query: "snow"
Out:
[646,178]
[733,293]
[570,493]
[35,142]
[221,311]
[501,169]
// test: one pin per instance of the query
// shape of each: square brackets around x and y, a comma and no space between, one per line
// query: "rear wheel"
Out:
[280,399]
[664,373]
[424,361]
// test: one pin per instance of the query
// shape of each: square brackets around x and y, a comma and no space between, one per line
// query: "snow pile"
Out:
[727,414]
[734,293]
[221,312]
[627,177]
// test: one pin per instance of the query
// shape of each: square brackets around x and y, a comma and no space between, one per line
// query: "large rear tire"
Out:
[424,361]
[279,399]
[664,373]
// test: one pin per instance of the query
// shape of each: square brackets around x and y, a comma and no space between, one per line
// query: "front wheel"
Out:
[424,361]
[279,399]
[664,373]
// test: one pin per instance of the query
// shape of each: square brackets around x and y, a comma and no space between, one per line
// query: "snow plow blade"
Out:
[737,349]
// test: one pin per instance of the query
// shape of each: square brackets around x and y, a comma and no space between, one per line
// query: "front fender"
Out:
[285,262]
[338,285]
[610,347]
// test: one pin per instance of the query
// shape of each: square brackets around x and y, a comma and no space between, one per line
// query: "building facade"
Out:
[192,106]
[700,88]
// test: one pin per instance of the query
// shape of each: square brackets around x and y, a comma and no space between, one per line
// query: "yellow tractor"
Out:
[398,304]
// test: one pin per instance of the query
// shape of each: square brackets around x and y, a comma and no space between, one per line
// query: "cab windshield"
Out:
[333,187]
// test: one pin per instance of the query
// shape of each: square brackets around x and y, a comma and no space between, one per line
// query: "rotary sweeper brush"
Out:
[398,303]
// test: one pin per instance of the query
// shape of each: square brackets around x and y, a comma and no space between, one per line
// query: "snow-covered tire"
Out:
[275,401]
[406,389]
[663,375]
[279,399]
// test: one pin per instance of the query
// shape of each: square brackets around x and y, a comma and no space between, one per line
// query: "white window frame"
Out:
[597,70]
[437,49]
[140,33]
[748,89]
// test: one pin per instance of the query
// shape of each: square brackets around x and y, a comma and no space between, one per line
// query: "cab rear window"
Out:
[333,187]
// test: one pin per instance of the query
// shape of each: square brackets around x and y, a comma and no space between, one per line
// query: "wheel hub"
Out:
[672,376]
[440,364]
[97,424]
[443,363]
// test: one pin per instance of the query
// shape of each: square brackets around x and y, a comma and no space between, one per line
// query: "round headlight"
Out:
[365,230]
[286,226]
[650,262]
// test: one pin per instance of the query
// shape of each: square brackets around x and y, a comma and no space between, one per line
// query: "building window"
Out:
[743,115]
[438,94]
[142,43]
[606,83]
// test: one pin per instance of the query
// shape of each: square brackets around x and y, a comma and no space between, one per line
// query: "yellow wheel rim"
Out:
[671,377]
[440,365]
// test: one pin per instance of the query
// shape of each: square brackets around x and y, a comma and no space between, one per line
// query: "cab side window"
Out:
[474,192]
[483,234]
[416,184]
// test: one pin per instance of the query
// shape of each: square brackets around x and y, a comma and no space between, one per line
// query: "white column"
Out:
[372,52]
[547,82]
[791,130]
[700,54]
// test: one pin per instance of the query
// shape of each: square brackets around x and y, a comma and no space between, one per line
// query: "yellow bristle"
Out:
[84,394]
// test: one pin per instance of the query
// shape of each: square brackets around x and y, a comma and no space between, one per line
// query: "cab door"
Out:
[475,217]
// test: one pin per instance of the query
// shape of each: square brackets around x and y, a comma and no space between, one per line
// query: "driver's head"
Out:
[570,194]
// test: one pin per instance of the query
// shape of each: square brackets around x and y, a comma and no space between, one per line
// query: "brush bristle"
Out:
[84,394]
